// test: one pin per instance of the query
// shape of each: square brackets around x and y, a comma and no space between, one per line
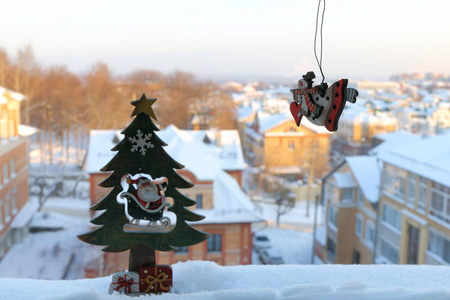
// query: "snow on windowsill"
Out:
[195,280]
[390,227]
[436,257]
[394,197]
[414,217]
[383,260]
[333,227]
[439,221]
[367,244]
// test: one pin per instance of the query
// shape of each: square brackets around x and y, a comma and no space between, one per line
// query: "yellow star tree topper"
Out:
[144,105]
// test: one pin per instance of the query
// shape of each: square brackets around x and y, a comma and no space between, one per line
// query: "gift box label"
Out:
[125,282]
[155,279]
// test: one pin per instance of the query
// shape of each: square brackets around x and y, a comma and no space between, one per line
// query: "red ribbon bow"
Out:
[124,283]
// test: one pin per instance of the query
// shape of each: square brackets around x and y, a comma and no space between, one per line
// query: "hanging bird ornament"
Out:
[322,105]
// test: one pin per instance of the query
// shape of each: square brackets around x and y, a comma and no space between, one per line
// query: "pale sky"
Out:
[234,38]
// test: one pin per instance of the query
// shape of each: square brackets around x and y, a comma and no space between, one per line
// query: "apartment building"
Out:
[414,225]
[15,210]
[275,142]
[357,127]
[350,198]
[392,207]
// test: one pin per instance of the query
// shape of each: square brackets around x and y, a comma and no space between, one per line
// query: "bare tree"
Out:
[5,67]
[107,108]
[26,77]
[284,197]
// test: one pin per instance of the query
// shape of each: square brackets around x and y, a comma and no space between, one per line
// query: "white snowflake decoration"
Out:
[141,142]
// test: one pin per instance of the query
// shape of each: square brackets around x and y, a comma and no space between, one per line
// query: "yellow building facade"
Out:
[350,214]
[275,142]
[393,208]
[14,218]
[414,225]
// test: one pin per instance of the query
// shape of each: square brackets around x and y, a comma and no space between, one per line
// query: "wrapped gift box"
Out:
[125,282]
[155,279]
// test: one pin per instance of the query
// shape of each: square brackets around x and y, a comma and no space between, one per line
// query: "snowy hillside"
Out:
[205,280]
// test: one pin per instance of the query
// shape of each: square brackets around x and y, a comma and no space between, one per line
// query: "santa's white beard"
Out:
[148,194]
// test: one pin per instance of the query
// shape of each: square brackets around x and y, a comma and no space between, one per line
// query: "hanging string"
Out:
[319,62]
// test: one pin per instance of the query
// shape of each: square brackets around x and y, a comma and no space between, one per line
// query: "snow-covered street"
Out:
[53,250]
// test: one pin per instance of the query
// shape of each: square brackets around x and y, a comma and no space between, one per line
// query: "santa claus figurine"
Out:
[145,198]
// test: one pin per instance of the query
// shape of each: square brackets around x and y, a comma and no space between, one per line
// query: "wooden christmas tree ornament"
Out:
[143,177]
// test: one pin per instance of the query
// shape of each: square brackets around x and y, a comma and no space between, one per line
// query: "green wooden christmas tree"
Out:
[143,177]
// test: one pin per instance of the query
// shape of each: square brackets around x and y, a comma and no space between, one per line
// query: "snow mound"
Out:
[201,280]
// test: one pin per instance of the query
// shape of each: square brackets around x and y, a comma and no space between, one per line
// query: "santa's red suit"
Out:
[142,184]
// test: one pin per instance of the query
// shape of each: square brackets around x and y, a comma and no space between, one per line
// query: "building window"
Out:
[439,244]
[400,183]
[422,201]
[329,191]
[360,197]
[388,251]
[358,225]
[199,199]
[370,233]
[388,179]
[180,250]
[395,181]
[215,243]
[5,173]
[331,248]
[7,209]
[12,168]
[14,200]
[356,257]
[332,216]
[391,216]
[440,203]
[291,146]
[411,190]
[347,195]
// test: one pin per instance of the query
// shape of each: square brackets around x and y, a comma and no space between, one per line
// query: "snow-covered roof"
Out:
[14,95]
[359,113]
[429,158]
[225,150]
[269,121]
[367,173]
[197,280]
[231,205]
[25,130]
[392,140]
[224,147]
[99,151]
[344,180]
[25,215]
[206,161]
[245,112]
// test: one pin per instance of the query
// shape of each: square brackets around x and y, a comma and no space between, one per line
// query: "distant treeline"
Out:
[59,100]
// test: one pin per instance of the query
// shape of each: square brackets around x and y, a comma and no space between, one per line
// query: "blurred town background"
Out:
[376,191]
